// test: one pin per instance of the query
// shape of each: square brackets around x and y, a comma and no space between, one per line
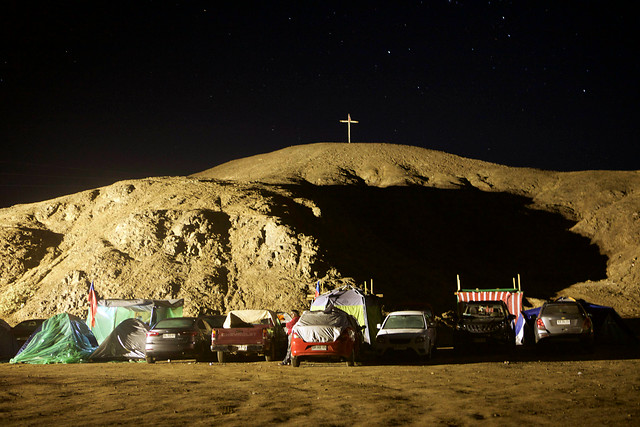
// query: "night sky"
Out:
[94,92]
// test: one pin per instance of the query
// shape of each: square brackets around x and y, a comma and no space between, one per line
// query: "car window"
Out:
[412,321]
[559,309]
[174,323]
[484,310]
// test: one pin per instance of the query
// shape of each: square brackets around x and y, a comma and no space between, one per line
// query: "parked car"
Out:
[564,320]
[179,338]
[402,331]
[249,333]
[330,334]
[483,322]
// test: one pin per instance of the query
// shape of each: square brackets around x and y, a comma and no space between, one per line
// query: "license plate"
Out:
[168,335]
[242,348]
[319,347]
[563,322]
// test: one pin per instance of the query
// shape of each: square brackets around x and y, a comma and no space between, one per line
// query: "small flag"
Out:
[317,289]
[93,306]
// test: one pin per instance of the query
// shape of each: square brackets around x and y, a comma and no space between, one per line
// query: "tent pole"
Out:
[519,283]
[458,279]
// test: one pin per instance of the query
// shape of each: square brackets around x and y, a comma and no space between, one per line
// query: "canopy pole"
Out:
[458,279]
[519,282]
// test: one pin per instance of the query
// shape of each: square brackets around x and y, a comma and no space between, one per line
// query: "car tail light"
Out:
[295,335]
[540,324]
[586,324]
[265,333]
[214,335]
[152,334]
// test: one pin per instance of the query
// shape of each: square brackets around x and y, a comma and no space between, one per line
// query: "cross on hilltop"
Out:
[348,122]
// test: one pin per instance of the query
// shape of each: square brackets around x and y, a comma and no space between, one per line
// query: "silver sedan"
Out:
[564,320]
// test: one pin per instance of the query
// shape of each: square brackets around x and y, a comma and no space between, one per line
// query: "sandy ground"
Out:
[559,388]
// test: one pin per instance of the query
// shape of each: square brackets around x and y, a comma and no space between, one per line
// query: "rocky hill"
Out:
[261,231]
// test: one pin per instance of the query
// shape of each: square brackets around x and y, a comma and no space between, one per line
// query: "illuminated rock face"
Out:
[260,232]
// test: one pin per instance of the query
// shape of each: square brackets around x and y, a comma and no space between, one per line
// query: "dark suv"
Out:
[483,322]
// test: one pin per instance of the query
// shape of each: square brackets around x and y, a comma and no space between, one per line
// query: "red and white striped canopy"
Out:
[513,299]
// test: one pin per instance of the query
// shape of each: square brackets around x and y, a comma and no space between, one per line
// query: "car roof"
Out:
[406,313]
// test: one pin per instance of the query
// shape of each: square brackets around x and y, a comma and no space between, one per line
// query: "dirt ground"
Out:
[559,388]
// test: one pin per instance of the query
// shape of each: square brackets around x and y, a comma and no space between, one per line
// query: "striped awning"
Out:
[513,299]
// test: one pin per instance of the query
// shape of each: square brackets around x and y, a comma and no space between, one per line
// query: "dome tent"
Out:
[366,308]
[125,342]
[63,338]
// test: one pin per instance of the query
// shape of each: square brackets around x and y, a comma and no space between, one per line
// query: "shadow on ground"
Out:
[413,241]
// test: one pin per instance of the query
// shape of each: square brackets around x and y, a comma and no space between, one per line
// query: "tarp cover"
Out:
[366,309]
[323,326]
[111,312]
[126,342]
[7,341]
[63,338]
[253,317]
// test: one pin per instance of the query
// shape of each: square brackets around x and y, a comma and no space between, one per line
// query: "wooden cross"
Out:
[348,122]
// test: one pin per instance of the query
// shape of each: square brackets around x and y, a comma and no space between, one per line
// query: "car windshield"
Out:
[174,323]
[560,309]
[484,310]
[404,321]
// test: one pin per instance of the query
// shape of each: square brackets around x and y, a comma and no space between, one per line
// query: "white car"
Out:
[407,331]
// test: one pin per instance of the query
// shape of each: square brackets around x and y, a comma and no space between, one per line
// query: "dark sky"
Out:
[93,92]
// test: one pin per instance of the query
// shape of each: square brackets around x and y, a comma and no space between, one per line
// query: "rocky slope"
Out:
[261,231]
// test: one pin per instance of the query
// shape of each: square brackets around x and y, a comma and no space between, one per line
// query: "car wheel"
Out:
[295,361]
[150,359]
[351,360]
[222,357]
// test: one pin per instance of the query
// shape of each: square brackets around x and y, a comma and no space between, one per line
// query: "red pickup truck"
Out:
[249,332]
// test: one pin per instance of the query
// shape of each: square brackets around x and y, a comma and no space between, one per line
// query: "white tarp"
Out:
[254,317]
[323,326]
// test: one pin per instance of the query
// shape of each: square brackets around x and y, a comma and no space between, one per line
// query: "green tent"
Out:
[63,338]
[366,308]
[111,312]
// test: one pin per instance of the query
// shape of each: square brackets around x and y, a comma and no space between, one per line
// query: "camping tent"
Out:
[608,326]
[63,338]
[366,308]
[127,341]
[110,312]
[7,342]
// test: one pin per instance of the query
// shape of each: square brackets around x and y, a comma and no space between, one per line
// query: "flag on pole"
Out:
[317,289]
[93,306]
